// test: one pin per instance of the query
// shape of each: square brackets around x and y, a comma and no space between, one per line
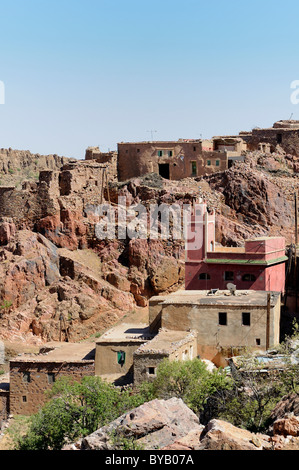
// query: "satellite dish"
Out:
[232,288]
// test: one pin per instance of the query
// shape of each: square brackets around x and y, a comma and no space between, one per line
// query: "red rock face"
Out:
[251,199]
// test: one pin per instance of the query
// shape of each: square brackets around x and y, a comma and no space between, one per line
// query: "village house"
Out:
[115,350]
[258,265]
[226,322]
[167,344]
[175,160]
[31,375]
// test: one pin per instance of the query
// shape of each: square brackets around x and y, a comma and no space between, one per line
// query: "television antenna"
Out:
[152,134]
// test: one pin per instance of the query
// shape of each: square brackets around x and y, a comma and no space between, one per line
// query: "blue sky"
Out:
[96,72]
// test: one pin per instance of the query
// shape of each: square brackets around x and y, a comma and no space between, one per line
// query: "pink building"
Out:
[259,265]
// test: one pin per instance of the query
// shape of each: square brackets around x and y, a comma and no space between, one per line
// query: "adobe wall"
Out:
[106,358]
[4,405]
[71,188]
[213,337]
[148,358]
[287,139]
[138,159]
[142,363]
[28,398]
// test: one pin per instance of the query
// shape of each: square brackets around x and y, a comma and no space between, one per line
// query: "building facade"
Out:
[168,344]
[30,375]
[258,265]
[225,323]
[175,160]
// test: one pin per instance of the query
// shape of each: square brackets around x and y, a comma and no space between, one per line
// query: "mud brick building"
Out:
[115,350]
[168,344]
[177,159]
[32,375]
[284,133]
[225,323]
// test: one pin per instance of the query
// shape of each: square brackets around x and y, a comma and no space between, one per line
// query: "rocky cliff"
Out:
[59,281]
[170,425]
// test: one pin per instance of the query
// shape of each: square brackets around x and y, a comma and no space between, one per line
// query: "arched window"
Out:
[204,277]
[248,277]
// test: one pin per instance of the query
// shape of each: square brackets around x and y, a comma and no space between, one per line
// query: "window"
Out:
[170,153]
[194,149]
[217,162]
[258,341]
[209,162]
[26,377]
[121,358]
[246,319]
[138,150]
[160,153]
[204,276]
[228,276]
[279,138]
[51,377]
[193,168]
[222,318]
[151,371]
[248,277]
[24,399]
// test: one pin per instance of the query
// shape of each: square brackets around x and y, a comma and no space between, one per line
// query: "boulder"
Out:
[155,424]
[221,435]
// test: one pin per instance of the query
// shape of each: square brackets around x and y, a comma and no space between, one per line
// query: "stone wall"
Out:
[29,380]
[168,344]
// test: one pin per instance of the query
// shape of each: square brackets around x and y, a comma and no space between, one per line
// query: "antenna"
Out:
[291,116]
[152,134]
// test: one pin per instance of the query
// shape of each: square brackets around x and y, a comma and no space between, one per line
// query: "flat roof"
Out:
[60,352]
[166,341]
[126,332]
[221,297]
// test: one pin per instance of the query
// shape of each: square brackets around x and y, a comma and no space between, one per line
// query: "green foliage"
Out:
[76,410]
[188,380]
[120,442]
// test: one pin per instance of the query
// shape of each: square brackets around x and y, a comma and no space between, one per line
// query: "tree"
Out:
[74,411]
[188,380]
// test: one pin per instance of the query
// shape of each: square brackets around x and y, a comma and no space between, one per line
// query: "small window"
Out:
[248,277]
[204,276]
[222,318]
[209,162]
[258,341]
[138,150]
[51,378]
[217,162]
[246,319]
[24,399]
[170,153]
[194,149]
[279,138]
[151,371]
[26,377]
[228,276]
[121,358]
[160,153]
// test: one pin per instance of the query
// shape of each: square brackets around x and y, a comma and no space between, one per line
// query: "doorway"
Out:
[164,170]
